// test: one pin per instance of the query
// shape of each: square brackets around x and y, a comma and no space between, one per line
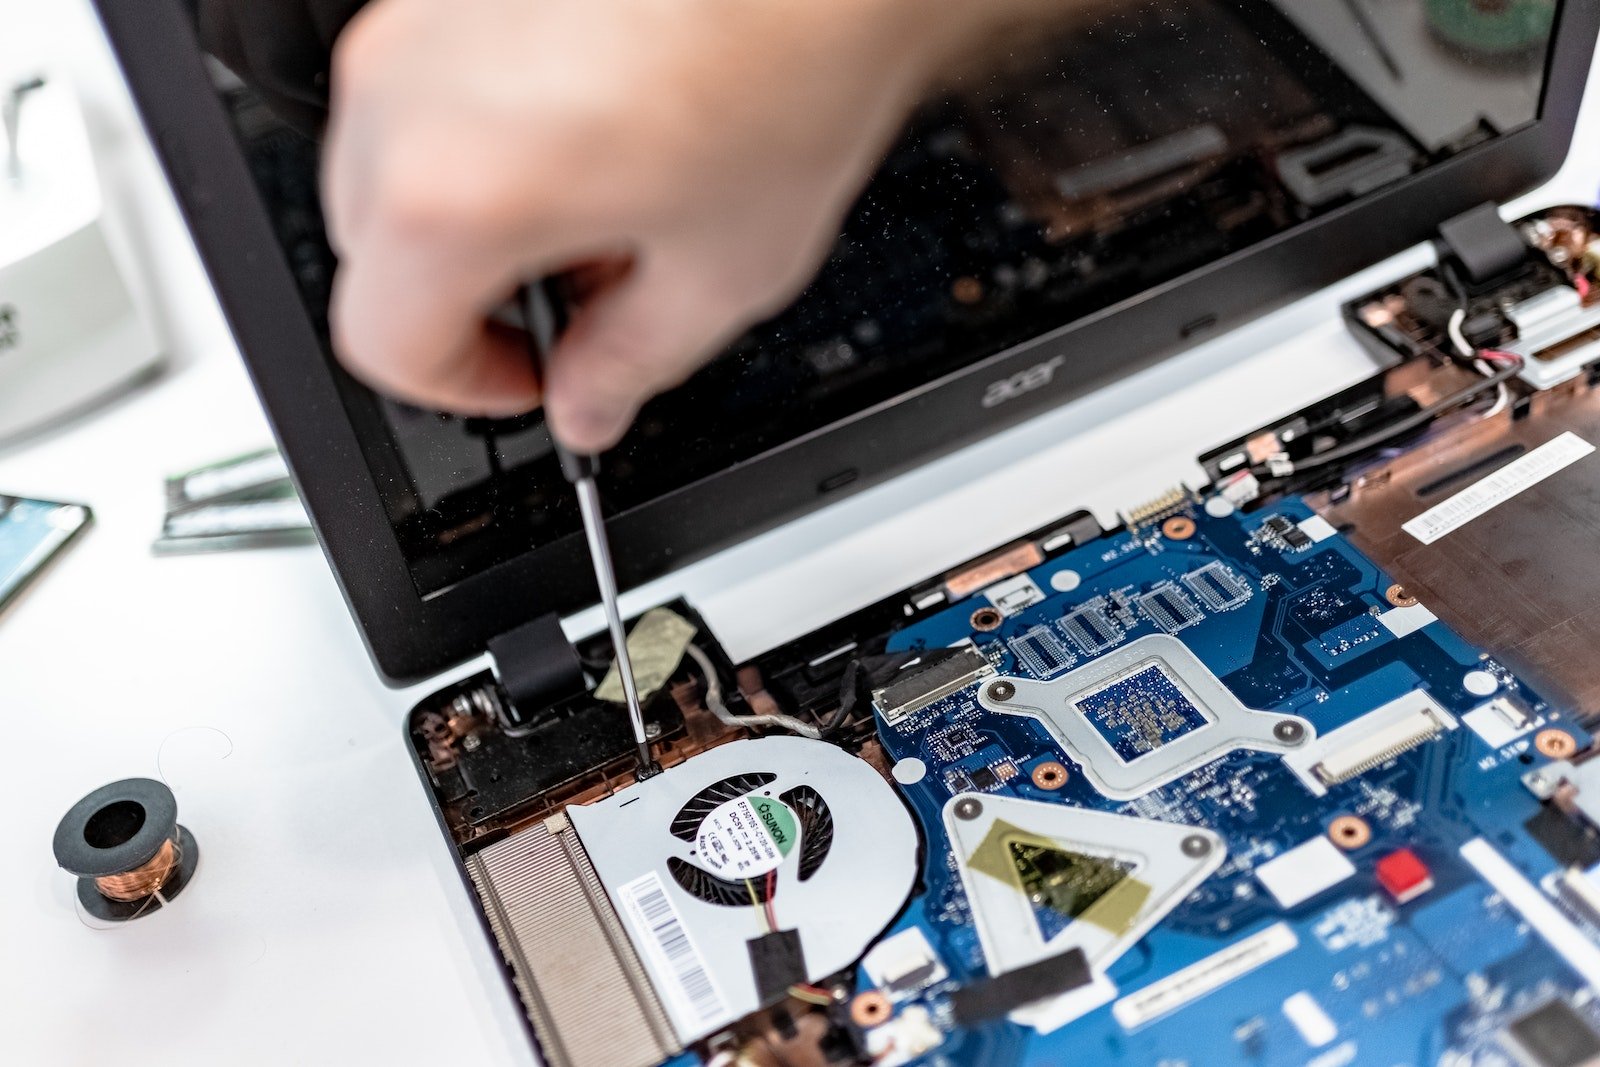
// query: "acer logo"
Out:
[1024,381]
[10,335]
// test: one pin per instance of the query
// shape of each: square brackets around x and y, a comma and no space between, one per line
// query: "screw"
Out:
[652,730]
[1289,731]
[1194,846]
[1002,691]
[968,809]
[471,742]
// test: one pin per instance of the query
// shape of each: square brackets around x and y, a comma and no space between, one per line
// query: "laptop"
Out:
[1288,767]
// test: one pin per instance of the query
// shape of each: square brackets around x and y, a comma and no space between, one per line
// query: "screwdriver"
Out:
[543,313]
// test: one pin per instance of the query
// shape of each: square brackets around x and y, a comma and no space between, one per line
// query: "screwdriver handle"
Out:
[578,466]
[545,314]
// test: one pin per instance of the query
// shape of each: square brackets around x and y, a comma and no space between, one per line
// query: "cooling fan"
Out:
[706,860]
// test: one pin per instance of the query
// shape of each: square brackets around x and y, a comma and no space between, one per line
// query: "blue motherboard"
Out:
[1398,930]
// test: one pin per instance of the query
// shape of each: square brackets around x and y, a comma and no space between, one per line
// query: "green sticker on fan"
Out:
[747,837]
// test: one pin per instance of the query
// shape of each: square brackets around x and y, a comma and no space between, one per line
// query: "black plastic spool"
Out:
[116,829]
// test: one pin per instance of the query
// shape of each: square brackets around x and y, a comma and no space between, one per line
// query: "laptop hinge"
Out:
[537,668]
[1482,244]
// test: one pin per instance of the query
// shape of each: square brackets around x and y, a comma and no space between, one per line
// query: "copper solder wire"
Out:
[145,880]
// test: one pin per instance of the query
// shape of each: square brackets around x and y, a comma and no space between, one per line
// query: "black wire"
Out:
[1453,282]
[850,684]
[1507,370]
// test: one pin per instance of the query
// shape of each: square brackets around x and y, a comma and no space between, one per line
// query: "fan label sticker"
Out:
[746,837]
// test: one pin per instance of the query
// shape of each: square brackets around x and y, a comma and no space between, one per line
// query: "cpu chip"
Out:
[1143,715]
[1141,712]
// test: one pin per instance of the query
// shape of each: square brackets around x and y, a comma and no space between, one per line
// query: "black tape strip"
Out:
[994,997]
[778,962]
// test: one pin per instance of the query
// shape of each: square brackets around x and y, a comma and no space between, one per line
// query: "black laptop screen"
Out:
[1099,159]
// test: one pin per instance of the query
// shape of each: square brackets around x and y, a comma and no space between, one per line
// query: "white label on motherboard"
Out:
[1403,622]
[1317,528]
[1315,1027]
[1212,973]
[676,964]
[1505,483]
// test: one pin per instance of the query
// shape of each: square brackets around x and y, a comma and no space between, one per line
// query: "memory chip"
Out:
[1277,525]
[1140,712]
[1042,652]
[1091,629]
[1169,607]
[1217,586]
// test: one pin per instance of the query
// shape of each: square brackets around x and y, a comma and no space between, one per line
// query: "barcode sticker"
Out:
[679,968]
[1481,496]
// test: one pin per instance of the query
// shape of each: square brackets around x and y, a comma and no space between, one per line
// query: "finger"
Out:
[343,166]
[353,114]
[586,281]
[413,325]
[641,336]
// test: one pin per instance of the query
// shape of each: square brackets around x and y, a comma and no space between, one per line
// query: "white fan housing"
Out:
[679,855]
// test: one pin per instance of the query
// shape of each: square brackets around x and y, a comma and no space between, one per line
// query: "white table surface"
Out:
[326,923]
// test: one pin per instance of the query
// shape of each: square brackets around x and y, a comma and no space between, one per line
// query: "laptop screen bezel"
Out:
[412,636]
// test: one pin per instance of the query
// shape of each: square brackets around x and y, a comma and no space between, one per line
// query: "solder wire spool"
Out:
[124,844]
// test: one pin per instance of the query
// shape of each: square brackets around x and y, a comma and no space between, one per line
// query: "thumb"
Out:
[638,336]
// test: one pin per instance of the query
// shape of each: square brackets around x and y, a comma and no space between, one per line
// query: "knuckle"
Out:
[419,195]
[630,365]
[359,52]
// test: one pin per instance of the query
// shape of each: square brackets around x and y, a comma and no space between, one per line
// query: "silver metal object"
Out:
[1222,723]
[968,808]
[584,988]
[605,577]
[544,320]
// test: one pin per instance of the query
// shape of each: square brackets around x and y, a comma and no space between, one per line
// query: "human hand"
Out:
[689,161]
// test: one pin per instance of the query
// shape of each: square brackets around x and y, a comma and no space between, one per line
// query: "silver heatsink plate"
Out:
[1161,862]
[1142,716]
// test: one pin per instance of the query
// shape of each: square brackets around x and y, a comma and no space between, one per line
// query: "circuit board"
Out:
[1363,912]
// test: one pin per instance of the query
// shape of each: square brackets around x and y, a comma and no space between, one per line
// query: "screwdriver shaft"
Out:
[544,319]
[605,577]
